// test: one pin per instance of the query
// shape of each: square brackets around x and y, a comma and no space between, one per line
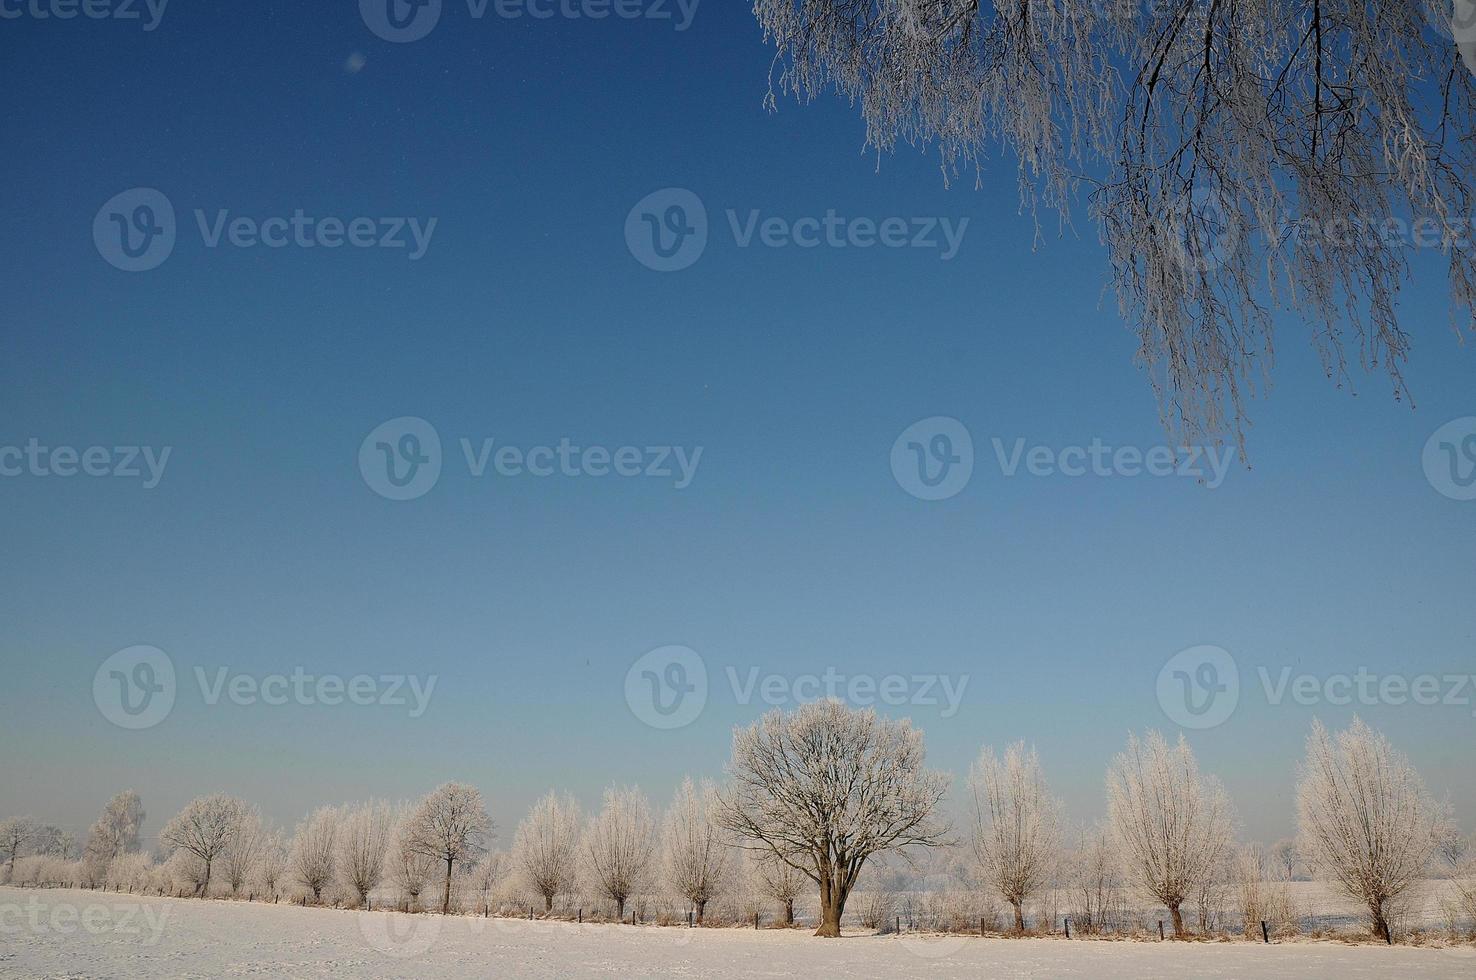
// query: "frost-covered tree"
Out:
[488,875]
[205,828]
[450,826]
[238,860]
[778,880]
[363,843]
[1284,854]
[826,787]
[271,868]
[546,846]
[409,870]
[1364,818]
[17,835]
[314,850]
[1095,878]
[697,853]
[1016,825]
[116,830]
[619,844]
[1172,826]
[1204,129]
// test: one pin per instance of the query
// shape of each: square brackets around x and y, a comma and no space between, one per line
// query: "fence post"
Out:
[581,916]
[1067,920]
[1265,933]
[899,925]
[981,925]
[689,918]
[755,920]
[1160,929]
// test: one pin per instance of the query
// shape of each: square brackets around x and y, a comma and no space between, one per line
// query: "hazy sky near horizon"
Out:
[1047,604]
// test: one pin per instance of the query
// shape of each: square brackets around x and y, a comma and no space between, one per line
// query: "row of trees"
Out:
[813,798]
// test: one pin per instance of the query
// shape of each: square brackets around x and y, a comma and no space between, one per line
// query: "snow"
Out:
[90,934]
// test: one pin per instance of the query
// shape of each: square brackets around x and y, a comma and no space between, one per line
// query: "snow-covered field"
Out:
[92,934]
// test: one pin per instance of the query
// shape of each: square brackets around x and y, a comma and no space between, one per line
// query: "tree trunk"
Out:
[1178,921]
[789,911]
[548,904]
[1019,917]
[619,909]
[1381,923]
[205,888]
[701,908]
[446,892]
[832,907]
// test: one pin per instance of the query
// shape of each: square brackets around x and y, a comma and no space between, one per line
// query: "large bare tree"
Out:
[205,828]
[452,827]
[1173,826]
[1242,156]
[1364,818]
[826,787]
[1016,825]
[16,834]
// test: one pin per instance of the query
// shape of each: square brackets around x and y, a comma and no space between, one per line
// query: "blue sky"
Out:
[529,321]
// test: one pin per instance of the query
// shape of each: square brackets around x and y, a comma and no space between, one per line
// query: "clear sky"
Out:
[528,320]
